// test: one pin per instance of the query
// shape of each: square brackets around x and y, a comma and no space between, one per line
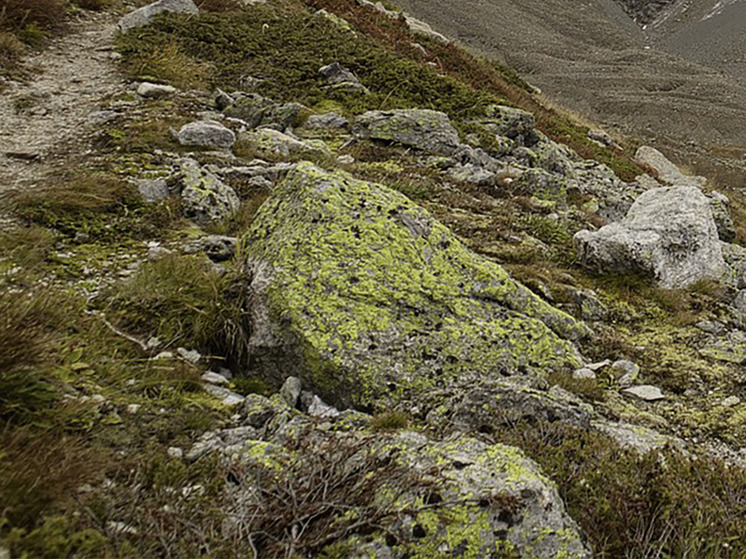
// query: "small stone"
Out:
[326,121]
[191,355]
[153,343]
[97,118]
[584,374]
[175,452]
[645,392]
[155,90]
[228,397]
[152,190]
[711,327]
[291,390]
[345,160]
[81,237]
[214,378]
[222,99]
[158,253]
[318,408]
[731,401]
[598,366]
[624,367]
[132,409]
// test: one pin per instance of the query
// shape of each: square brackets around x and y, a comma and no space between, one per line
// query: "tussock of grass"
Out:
[184,299]
[25,341]
[390,421]
[27,246]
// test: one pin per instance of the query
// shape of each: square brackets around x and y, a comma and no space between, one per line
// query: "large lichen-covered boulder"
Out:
[669,234]
[427,130]
[454,498]
[366,297]
[144,15]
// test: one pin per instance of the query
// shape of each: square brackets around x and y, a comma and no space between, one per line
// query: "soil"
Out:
[46,121]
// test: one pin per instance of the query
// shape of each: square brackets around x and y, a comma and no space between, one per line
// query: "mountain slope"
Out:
[591,57]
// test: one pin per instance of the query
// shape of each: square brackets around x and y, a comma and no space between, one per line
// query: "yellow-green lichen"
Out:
[383,297]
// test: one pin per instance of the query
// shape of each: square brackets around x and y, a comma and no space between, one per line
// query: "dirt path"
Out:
[46,120]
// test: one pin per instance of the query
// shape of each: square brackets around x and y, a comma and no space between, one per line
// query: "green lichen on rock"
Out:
[494,502]
[377,298]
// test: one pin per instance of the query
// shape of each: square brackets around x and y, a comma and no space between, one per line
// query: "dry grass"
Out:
[19,14]
[167,63]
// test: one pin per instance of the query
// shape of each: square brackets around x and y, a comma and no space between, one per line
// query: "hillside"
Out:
[309,278]
[665,84]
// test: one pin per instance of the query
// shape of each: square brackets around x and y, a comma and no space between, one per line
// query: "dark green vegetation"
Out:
[224,48]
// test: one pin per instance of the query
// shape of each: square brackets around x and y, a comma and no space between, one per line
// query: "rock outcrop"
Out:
[427,130]
[458,497]
[664,169]
[669,234]
[144,15]
[364,295]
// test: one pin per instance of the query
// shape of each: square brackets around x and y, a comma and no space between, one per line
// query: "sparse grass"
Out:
[19,15]
[662,504]
[27,246]
[166,61]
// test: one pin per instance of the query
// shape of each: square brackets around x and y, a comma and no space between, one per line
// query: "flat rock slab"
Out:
[645,392]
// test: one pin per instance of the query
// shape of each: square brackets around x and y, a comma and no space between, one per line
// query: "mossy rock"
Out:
[367,298]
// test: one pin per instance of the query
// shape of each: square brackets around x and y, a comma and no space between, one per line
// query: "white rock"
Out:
[645,392]
[132,409]
[584,374]
[191,355]
[155,90]
[175,452]
[731,401]
[214,378]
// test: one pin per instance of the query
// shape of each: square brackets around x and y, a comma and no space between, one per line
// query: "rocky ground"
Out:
[316,287]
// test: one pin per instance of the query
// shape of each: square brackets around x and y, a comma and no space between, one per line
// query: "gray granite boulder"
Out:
[427,130]
[669,234]
[206,133]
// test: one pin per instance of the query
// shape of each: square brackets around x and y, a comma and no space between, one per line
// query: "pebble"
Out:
[175,452]
[731,401]
[132,409]
[214,378]
[191,355]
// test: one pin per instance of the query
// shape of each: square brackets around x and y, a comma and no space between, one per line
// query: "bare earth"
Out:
[45,121]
